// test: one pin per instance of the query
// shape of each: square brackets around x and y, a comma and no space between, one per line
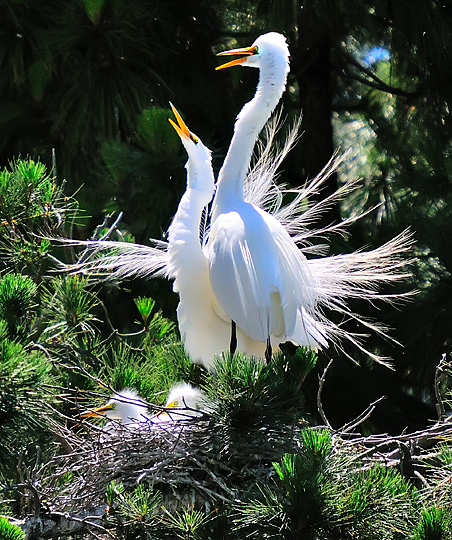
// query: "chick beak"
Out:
[165,416]
[181,129]
[245,52]
[98,412]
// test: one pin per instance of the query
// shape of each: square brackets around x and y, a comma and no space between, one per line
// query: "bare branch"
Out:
[319,395]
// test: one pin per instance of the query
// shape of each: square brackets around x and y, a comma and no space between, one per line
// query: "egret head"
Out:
[199,165]
[186,401]
[123,407]
[268,49]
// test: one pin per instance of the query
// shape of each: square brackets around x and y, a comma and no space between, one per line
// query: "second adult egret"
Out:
[205,329]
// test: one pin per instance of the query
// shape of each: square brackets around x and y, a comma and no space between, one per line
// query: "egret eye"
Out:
[255,50]
[194,139]
[176,403]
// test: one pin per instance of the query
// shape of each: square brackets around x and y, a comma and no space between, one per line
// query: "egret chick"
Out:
[184,402]
[125,408]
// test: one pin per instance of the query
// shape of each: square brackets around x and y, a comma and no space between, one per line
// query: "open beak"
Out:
[98,412]
[181,129]
[245,52]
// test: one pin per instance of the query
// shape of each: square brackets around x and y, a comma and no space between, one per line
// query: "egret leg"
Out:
[268,351]
[233,345]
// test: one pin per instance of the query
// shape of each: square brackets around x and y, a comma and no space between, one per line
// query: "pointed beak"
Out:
[99,411]
[244,53]
[181,128]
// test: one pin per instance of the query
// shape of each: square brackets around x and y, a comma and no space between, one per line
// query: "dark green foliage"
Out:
[8,531]
[303,479]
[17,300]
[323,493]
[31,204]
[365,502]
[252,395]
[138,510]
[69,309]
[188,524]
[435,524]
[23,414]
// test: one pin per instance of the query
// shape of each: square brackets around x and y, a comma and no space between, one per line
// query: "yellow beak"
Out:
[99,411]
[181,128]
[244,52]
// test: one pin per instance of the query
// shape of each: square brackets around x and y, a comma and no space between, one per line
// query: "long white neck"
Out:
[184,247]
[248,125]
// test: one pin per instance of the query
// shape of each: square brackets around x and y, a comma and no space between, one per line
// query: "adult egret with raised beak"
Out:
[204,328]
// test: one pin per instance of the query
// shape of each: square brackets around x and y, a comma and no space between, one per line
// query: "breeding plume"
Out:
[253,269]
[258,275]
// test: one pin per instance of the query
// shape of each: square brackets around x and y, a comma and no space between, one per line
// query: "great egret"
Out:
[184,402]
[259,276]
[125,408]
[204,329]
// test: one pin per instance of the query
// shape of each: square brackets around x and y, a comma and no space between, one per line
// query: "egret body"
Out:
[258,275]
[204,328]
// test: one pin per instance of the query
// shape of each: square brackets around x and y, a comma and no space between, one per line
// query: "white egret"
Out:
[125,408]
[204,329]
[184,402]
[258,275]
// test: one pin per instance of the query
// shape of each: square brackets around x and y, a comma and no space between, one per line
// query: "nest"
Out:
[197,462]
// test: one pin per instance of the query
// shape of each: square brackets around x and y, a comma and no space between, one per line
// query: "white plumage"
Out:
[259,276]
[127,409]
[184,402]
[205,329]
[254,269]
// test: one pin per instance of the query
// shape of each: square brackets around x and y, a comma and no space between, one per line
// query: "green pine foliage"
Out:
[365,504]
[8,531]
[69,310]
[17,304]
[251,395]
[138,511]
[24,376]
[31,204]
[435,524]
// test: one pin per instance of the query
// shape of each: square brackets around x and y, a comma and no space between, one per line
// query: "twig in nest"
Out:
[319,396]
[362,417]
[439,371]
